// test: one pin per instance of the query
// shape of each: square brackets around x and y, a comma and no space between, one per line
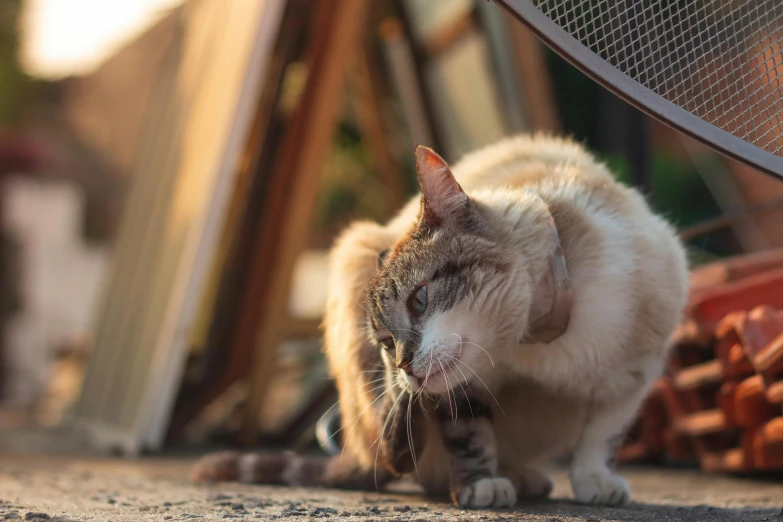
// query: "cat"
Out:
[517,310]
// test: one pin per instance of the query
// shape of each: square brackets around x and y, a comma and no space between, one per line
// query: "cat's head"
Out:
[448,296]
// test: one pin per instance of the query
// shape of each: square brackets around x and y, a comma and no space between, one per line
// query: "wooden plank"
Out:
[496,31]
[296,183]
[441,39]
[173,221]
[368,103]
[221,367]
[534,78]
[404,75]
[239,85]
[420,64]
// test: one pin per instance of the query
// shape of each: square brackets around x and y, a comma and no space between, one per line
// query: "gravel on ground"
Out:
[57,489]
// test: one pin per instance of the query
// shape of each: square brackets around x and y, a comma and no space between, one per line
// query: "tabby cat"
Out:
[518,310]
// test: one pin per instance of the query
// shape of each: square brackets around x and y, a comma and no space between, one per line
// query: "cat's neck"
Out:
[525,224]
[520,219]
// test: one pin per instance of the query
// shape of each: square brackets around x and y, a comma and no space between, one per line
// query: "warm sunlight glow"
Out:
[64,37]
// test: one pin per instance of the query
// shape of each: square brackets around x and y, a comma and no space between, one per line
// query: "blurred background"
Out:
[173,172]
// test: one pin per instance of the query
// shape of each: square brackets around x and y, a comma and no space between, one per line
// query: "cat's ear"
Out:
[443,200]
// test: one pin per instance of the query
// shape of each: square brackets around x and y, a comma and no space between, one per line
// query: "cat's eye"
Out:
[387,343]
[417,302]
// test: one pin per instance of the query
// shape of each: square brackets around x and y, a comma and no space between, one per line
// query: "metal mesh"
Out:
[721,60]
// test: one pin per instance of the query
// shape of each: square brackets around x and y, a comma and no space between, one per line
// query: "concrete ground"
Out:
[58,488]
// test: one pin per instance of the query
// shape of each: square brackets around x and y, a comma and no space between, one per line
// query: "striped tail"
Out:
[288,469]
[261,468]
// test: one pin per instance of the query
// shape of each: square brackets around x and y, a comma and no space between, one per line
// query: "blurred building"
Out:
[65,215]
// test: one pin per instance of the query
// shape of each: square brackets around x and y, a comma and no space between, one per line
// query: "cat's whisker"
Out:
[369,326]
[420,397]
[482,349]
[355,397]
[404,330]
[463,389]
[481,381]
[465,377]
[429,372]
[358,417]
[448,394]
[392,411]
[390,415]
[410,437]
[342,451]
[461,372]
[360,305]
[459,342]
[368,372]
[462,342]
[361,372]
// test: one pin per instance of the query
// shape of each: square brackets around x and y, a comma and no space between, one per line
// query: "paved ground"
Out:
[42,488]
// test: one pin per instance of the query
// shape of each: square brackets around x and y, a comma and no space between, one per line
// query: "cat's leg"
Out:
[469,439]
[593,478]
[530,481]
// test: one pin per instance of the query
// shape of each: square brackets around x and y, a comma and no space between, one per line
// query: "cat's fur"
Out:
[498,404]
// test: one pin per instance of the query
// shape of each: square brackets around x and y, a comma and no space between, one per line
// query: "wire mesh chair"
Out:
[711,68]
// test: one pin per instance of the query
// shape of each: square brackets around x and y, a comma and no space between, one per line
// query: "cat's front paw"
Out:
[600,487]
[490,492]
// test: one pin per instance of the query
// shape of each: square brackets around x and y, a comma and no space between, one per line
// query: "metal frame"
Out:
[640,96]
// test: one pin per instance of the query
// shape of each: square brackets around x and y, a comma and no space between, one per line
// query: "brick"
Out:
[768,445]
[762,337]
[726,402]
[752,408]
[769,360]
[738,365]
[702,423]
[775,392]
[722,399]
[735,268]
[729,460]
[714,304]
[698,376]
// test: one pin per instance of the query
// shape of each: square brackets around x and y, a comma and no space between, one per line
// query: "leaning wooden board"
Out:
[198,123]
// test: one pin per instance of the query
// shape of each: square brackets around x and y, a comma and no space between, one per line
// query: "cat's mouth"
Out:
[441,376]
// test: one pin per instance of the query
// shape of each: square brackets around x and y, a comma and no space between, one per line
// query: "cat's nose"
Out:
[404,363]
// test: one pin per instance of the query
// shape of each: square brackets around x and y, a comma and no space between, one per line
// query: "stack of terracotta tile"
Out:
[721,402]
